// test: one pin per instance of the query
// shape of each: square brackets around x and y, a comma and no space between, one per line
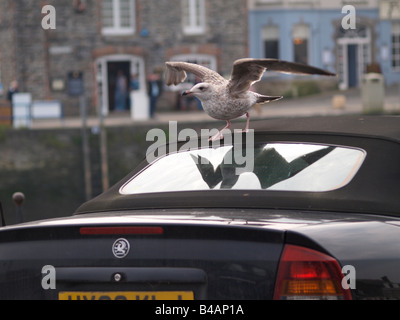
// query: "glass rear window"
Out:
[273,166]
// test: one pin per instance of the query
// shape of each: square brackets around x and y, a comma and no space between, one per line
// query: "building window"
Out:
[205,60]
[118,17]
[193,17]
[396,46]
[270,36]
[301,35]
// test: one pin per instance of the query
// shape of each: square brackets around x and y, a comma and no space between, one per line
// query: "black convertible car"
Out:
[305,209]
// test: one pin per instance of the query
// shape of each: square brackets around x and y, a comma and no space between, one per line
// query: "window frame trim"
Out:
[395,57]
[116,29]
[192,28]
[307,38]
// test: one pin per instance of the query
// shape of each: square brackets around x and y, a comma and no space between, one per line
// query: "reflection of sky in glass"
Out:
[179,172]
[291,151]
[175,172]
[214,156]
[330,172]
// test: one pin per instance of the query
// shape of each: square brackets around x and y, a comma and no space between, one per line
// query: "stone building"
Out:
[45,44]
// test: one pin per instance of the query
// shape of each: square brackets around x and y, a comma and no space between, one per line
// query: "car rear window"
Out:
[273,166]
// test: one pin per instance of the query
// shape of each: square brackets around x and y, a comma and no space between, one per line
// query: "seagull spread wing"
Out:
[247,71]
[175,73]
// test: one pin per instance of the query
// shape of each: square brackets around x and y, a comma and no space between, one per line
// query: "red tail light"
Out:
[120,230]
[308,274]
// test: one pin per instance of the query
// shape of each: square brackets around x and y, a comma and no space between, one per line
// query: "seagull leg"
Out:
[220,135]
[247,123]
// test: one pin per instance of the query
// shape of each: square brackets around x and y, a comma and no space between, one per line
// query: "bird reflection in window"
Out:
[270,167]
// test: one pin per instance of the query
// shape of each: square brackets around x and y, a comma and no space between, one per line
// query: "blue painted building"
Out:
[312,32]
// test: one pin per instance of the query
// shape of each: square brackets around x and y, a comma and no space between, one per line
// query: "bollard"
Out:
[373,93]
[3,221]
[339,101]
[18,198]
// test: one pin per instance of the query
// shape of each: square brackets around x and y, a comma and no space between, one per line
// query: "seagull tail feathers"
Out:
[265,99]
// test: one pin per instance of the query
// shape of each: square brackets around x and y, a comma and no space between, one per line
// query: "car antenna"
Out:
[3,222]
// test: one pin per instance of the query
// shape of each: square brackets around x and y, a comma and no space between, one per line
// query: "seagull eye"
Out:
[201,88]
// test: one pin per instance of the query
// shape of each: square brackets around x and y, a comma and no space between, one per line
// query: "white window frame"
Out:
[137,67]
[395,45]
[194,21]
[206,60]
[302,31]
[117,29]
[270,32]
[364,57]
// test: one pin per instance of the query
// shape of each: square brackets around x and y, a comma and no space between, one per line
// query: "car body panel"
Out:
[226,240]
[380,171]
[222,244]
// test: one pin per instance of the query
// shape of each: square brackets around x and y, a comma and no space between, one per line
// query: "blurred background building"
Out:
[311,32]
[100,39]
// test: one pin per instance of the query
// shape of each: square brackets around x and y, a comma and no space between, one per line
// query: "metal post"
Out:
[3,221]
[85,149]
[103,151]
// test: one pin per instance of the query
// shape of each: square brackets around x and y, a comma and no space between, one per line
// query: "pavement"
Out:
[315,105]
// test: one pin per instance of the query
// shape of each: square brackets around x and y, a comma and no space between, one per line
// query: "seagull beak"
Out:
[185,93]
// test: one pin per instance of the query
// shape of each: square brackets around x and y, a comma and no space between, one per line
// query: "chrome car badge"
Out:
[121,248]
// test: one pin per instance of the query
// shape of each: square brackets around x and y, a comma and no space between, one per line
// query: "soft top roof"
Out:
[375,188]
[372,126]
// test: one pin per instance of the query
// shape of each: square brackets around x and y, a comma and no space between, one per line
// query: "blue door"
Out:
[352,64]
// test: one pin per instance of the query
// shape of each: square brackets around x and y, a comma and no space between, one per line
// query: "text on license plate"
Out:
[127,295]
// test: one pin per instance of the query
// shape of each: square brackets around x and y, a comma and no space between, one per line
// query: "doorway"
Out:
[118,85]
[353,63]
[353,55]
[107,70]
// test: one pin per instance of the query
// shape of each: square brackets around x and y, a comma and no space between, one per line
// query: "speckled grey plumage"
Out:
[224,99]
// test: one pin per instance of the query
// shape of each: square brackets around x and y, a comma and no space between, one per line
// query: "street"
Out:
[315,105]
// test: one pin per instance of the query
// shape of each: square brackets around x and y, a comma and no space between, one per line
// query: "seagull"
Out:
[224,99]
